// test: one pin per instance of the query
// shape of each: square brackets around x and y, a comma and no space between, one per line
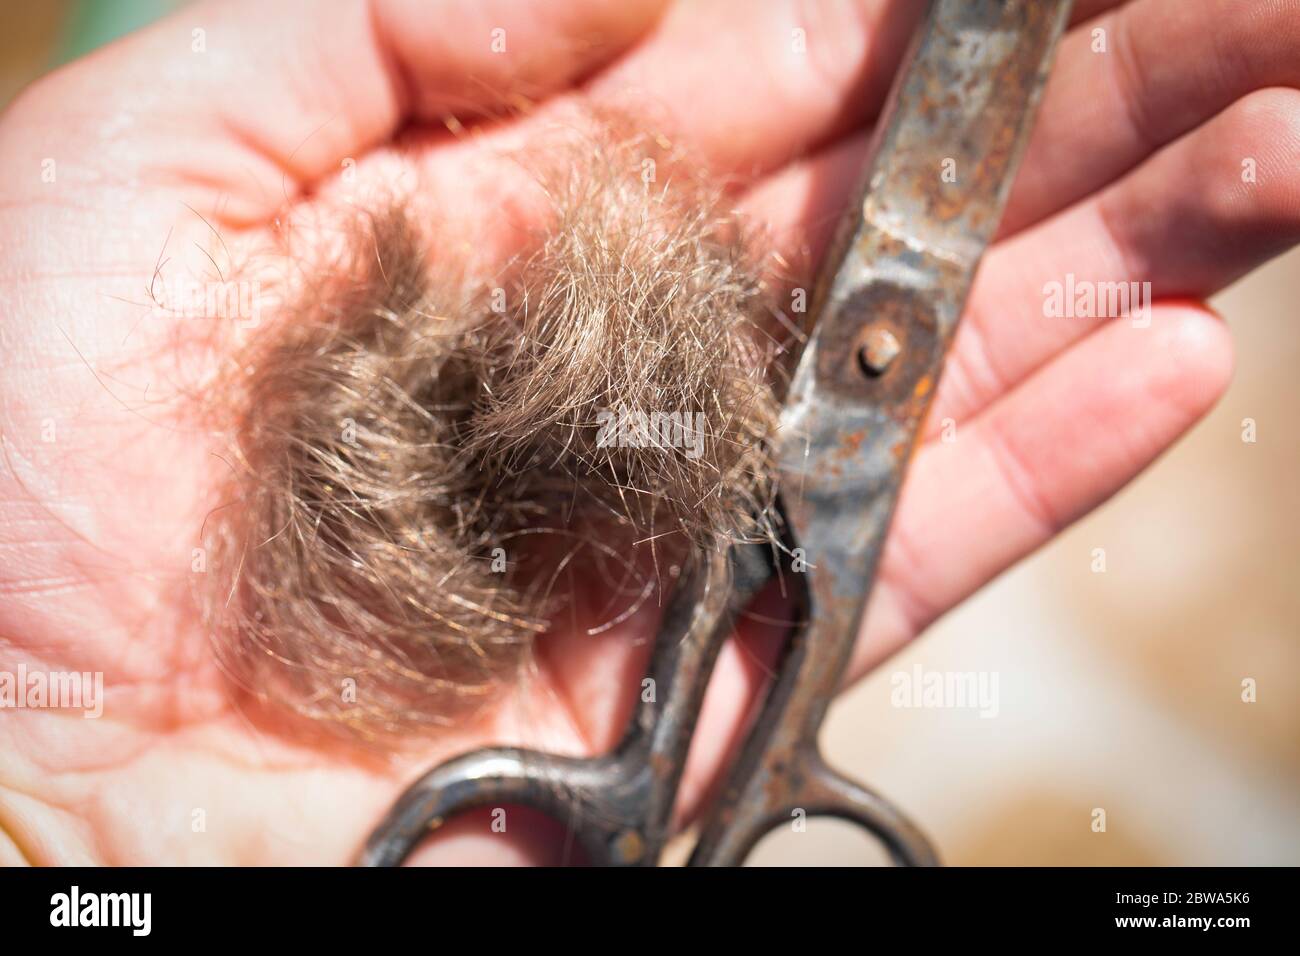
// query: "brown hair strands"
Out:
[398,433]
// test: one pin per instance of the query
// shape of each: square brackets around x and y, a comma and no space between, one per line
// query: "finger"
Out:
[1185,221]
[1045,455]
[255,99]
[1117,94]
[749,86]
[469,57]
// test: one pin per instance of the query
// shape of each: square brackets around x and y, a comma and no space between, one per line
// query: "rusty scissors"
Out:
[886,306]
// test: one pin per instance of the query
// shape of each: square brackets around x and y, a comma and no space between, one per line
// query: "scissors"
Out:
[886,306]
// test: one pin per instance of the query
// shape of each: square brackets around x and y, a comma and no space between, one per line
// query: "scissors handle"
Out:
[781,776]
[619,805]
[814,788]
[498,777]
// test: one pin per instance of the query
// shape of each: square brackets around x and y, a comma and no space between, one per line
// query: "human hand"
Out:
[1134,173]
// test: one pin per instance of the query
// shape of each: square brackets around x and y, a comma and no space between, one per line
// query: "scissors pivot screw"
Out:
[878,350]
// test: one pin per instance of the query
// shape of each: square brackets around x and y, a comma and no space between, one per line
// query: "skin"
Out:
[1133,173]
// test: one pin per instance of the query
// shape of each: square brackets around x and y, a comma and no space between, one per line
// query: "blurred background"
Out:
[1118,691]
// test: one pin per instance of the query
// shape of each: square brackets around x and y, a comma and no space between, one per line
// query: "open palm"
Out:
[232,120]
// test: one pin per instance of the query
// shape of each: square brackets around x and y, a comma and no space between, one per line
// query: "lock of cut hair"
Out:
[408,459]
